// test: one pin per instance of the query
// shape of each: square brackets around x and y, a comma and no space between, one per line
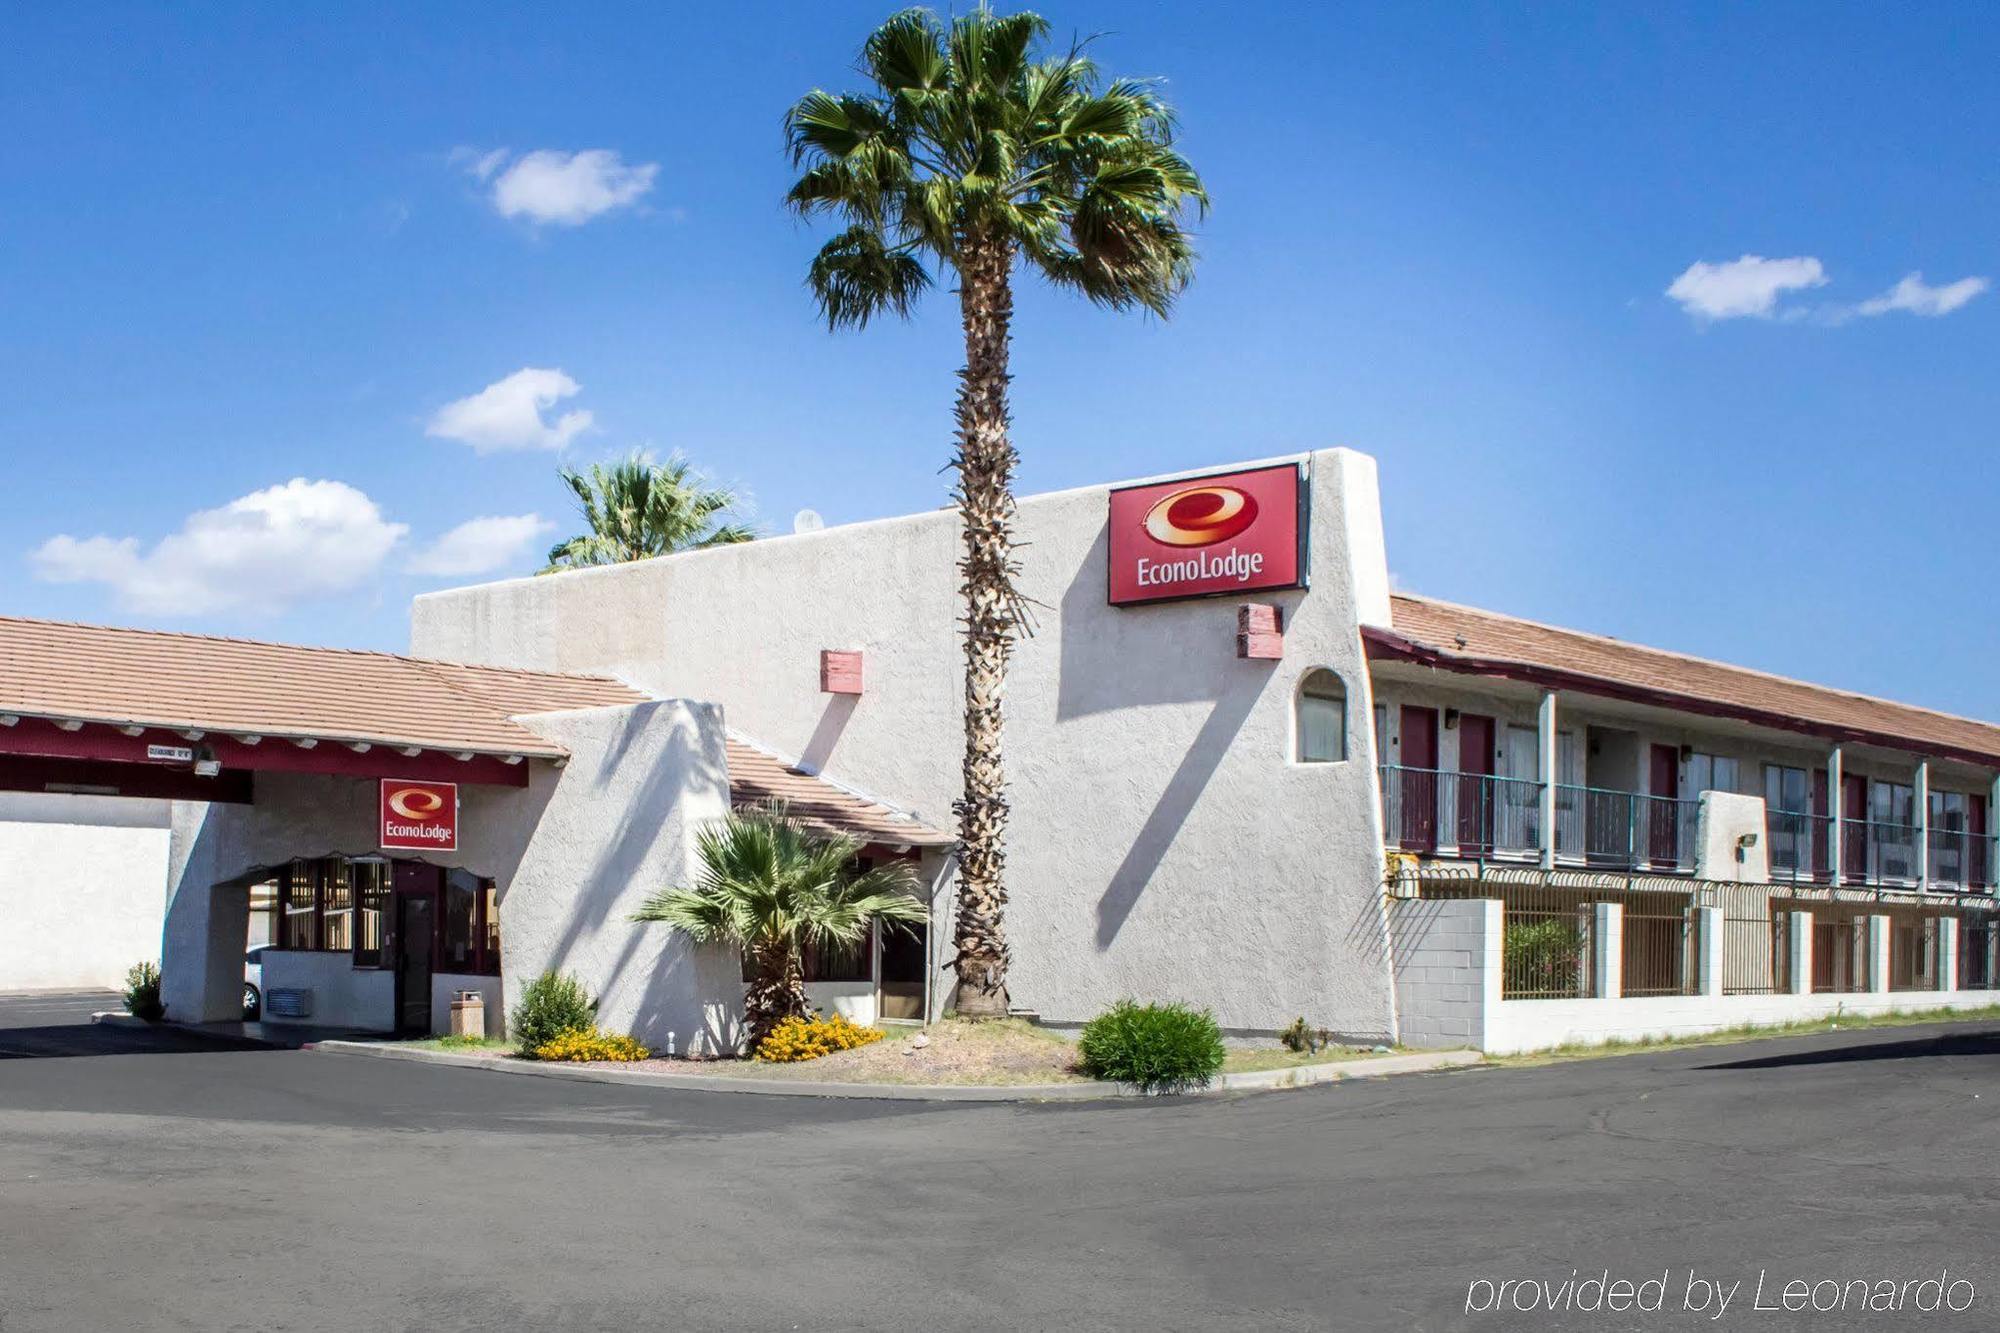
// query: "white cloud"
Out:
[264,552]
[563,189]
[1746,287]
[480,545]
[507,414]
[1919,298]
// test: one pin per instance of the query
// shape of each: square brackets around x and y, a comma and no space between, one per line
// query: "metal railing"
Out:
[1961,860]
[1662,946]
[1428,810]
[1979,955]
[1839,950]
[1756,940]
[1625,830]
[1800,846]
[1875,851]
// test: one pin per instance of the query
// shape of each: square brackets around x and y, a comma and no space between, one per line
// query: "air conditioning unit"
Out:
[289,1002]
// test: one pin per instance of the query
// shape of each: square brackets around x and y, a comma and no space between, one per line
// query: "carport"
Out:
[400,827]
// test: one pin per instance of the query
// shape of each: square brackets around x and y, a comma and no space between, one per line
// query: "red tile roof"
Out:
[186,681]
[1459,638]
[757,776]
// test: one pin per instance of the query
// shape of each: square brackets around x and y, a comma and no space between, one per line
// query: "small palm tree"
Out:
[637,508]
[773,889]
[973,153]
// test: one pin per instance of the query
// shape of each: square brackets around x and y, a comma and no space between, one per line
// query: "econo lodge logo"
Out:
[1200,516]
[417,803]
[419,814]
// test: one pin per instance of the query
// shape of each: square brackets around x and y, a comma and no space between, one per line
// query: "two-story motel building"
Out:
[1244,774]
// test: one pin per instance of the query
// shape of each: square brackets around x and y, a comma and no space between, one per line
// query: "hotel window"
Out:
[371,902]
[1711,772]
[1892,803]
[263,914]
[336,896]
[1322,718]
[300,907]
[470,943]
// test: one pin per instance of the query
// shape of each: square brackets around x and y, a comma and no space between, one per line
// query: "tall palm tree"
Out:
[975,152]
[637,508]
[773,888]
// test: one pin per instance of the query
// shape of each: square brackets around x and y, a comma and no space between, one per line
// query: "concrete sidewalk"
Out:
[1263,1080]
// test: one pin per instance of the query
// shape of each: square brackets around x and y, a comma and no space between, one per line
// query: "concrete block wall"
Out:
[83,889]
[1447,969]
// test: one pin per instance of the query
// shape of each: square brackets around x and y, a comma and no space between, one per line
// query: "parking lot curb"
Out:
[1263,1080]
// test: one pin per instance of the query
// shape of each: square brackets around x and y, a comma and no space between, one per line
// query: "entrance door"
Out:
[1854,828]
[1663,822]
[1475,785]
[902,971]
[416,922]
[1419,755]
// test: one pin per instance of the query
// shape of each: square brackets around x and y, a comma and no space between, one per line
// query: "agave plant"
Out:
[774,888]
[975,153]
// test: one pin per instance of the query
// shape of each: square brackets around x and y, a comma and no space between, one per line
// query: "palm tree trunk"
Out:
[985,465]
[777,993]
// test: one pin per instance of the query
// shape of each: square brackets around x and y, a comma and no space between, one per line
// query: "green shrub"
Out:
[1157,1047]
[554,1003]
[1543,957]
[1305,1039]
[142,993]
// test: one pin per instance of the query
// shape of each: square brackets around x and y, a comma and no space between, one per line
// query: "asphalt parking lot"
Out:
[158,1180]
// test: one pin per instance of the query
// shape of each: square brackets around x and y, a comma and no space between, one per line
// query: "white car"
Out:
[253,983]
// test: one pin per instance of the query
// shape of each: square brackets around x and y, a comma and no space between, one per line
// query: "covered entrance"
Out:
[372,943]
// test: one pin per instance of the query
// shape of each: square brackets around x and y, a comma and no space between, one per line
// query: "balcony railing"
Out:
[1433,812]
[1800,846]
[1427,810]
[1623,830]
[1961,860]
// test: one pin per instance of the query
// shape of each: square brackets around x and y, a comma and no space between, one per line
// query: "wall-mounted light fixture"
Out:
[1450,718]
[1687,753]
[206,765]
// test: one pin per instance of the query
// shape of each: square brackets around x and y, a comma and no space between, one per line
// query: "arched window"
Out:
[1322,717]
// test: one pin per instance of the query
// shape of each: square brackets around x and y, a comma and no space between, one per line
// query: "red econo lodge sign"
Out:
[1199,536]
[419,816]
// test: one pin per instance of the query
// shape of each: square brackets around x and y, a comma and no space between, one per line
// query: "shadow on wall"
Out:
[601,899]
[826,734]
[1111,660]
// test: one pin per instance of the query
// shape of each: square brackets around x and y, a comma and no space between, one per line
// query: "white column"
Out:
[1878,953]
[1923,800]
[1948,949]
[1608,947]
[1708,940]
[1545,728]
[1836,834]
[1799,930]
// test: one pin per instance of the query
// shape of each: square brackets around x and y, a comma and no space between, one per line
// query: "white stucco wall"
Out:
[573,853]
[83,883]
[343,995]
[1163,844]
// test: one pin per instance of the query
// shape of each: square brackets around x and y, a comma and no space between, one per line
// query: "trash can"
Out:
[468,1014]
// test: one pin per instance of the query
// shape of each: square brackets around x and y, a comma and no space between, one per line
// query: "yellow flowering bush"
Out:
[581,1044]
[798,1039]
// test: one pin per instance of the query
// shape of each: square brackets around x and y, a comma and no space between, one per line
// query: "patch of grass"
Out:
[1250,1060]
[1750,1032]
[464,1044]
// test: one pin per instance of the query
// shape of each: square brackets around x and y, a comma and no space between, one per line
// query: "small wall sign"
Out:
[419,816]
[170,754]
[1233,532]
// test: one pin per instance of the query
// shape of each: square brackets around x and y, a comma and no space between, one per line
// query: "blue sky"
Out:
[246,245]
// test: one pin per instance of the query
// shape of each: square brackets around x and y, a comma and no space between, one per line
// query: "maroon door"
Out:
[1475,786]
[1854,828]
[1663,813]
[1977,866]
[1821,850]
[1419,753]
